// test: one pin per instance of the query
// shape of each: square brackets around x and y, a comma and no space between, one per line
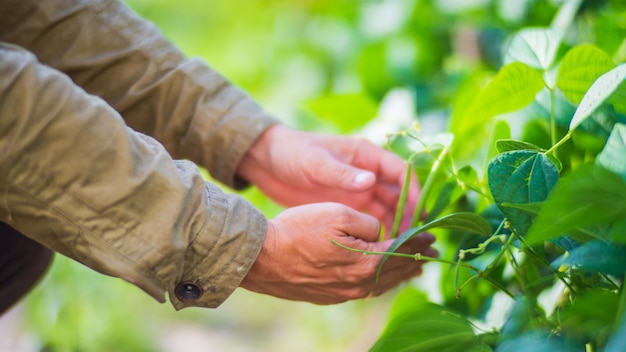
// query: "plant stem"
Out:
[552,119]
[401,202]
[428,185]
[419,256]
[499,256]
[559,143]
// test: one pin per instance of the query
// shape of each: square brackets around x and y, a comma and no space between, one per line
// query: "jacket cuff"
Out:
[221,255]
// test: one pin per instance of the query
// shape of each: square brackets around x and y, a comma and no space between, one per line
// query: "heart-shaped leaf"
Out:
[520,176]
[506,145]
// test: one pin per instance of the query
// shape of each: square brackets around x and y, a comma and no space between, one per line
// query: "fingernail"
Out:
[361,178]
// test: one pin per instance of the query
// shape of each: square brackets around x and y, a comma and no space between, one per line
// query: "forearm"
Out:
[76,179]
[110,52]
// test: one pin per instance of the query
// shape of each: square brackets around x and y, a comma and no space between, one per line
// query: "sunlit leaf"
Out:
[594,257]
[501,131]
[535,47]
[601,89]
[514,87]
[520,176]
[590,195]
[347,111]
[566,15]
[580,67]
[468,222]
[613,156]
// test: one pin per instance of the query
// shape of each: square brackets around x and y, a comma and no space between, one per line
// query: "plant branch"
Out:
[428,185]
[401,202]
[419,256]
[559,143]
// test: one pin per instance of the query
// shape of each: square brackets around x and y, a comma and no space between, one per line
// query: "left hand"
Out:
[296,167]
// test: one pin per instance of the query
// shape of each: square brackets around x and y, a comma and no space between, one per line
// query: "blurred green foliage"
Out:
[325,65]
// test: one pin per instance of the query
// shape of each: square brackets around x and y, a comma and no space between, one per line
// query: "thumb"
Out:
[326,170]
[360,226]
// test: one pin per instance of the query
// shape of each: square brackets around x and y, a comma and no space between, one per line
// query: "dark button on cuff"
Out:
[188,291]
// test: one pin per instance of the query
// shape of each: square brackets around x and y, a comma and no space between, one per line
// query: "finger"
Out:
[387,165]
[326,170]
[360,226]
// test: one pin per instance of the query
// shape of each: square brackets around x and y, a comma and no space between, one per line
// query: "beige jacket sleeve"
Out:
[76,178]
[110,52]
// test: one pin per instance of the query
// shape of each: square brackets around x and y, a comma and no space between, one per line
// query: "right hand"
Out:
[299,262]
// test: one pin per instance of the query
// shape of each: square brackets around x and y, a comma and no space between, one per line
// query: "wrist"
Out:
[258,155]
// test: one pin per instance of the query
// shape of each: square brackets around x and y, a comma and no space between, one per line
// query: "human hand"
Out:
[299,262]
[295,167]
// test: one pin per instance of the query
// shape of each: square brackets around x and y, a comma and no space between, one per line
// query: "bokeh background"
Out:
[366,67]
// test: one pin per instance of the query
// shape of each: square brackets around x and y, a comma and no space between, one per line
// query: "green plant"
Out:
[529,188]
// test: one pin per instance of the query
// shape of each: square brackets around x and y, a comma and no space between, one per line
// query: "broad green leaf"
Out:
[501,131]
[601,89]
[580,67]
[506,145]
[449,192]
[580,234]
[347,111]
[427,327]
[535,47]
[617,234]
[514,87]
[613,156]
[522,316]
[594,257]
[617,342]
[566,15]
[590,195]
[536,341]
[520,176]
[468,178]
[468,222]
[581,316]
